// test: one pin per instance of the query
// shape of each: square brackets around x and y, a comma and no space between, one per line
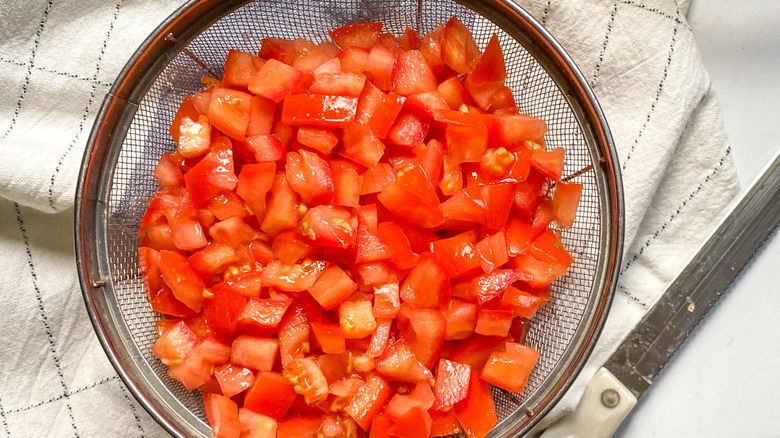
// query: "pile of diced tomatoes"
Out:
[351,236]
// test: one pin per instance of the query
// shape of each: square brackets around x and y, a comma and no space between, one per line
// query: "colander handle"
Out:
[603,406]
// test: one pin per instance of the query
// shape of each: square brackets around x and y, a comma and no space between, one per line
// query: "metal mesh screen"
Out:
[536,93]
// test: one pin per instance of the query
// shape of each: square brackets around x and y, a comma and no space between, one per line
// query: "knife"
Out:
[628,373]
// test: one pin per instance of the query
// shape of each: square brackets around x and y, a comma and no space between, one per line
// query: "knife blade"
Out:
[629,372]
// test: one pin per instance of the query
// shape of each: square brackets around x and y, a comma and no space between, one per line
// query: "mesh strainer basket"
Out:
[130,134]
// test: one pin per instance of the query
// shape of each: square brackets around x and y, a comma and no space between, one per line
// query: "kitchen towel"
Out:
[58,58]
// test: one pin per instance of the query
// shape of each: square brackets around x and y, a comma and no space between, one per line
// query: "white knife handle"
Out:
[603,406]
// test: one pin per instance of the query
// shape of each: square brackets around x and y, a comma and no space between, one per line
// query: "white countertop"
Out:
[724,380]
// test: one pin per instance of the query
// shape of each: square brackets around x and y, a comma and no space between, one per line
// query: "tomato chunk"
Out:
[363,35]
[510,369]
[332,287]
[477,413]
[452,383]
[399,363]
[275,80]
[222,414]
[318,110]
[185,284]
[270,395]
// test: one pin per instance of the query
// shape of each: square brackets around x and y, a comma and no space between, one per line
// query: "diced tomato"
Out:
[415,422]
[347,183]
[310,176]
[477,413]
[398,246]
[240,67]
[514,129]
[427,285]
[370,99]
[542,218]
[549,163]
[292,277]
[525,305]
[168,173]
[201,100]
[226,205]
[457,255]
[539,273]
[380,427]
[383,117]
[380,338]
[212,259]
[307,379]
[230,111]
[212,174]
[222,414]
[566,198]
[361,145]
[471,143]
[320,140]
[458,51]
[291,247]
[518,235]
[246,283]
[264,147]
[299,426]
[430,47]
[185,284]
[308,56]
[510,370]
[233,231]
[255,425]
[328,225]
[270,395]
[452,383]
[379,66]
[163,301]
[186,108]
[282,212]
[410,40]
[413,199]
[399,363]
[264,314]
[353,59]
[233,379]
[275,80]
[332,287]
[425,334]
[175,344]
[198,367]
[412,74]
[363,35]
[329,337]
[492,251]
[424,104]
[461,317]
[444,423]
[294,335]
[254,352]
[547,247]
[498,202]
[356,319]
[492,322]
[369,400]
[528,194]
[194,136]
[488,286]
[453,93]
[318,110]
[408,131]
[276,48]
[261,119]
[223,308]
[341,84]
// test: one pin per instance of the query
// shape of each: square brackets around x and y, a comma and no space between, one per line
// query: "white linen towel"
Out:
[58,59]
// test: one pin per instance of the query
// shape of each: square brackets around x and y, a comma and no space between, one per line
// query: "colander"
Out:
[131,132]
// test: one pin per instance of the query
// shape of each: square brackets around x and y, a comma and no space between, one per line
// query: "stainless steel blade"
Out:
[710,272]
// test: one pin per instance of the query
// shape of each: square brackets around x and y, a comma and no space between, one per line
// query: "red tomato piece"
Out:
[264,147]
[201,100]
[353,59]
[306,377]
[356,319]
[427,285]
[293,334]
[282,212]
[332,287]
[475,350]
[383,117]
[490,67]
[293,277]
[453,93]
[318,110]
[161,237]
[525,305]
[328,225]
[247,284]
[255,425]
[430,47]
[363,35]
[410,40]
[412,74]
[498,202]
[398,246]
[415,422]
[362,146]
[222,414]
[486,287]
[233,231]
[549,163]
[514,129]
[347,183]
[425,334]
[461,317]
[261,118]
[240,67]
[457,255]
[212,259]
[518,235]
[413,199]
[492,322]
[299,426]
[370,99]
[379,66]
[477,413]
[444,423]
[308,56]
[510,370]
[291,247]
[223,308]
[452,383]
[233,379]
[458,51]
[320,140]
[168,173]
[492,251]
[194,136]
[466,144]
[380,338]
[212,174]
[185,284]
[163,301]
[226,205]
[186,108]
[264,314]
[230,111]
[149,264]
[369,400]
[399,363]
[542,219]
[528,194]
[341,84]
[329,337]
[254,352]
[408,131]
[380,427]
[566,198]
[175,344]
[276,48]
[310,176]
[547,247]
[424,104]
[275,80]
[539,273]
[270,395]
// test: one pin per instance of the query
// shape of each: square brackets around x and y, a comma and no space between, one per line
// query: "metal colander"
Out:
[131,132]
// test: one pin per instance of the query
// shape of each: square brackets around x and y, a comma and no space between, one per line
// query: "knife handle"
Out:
[603,406]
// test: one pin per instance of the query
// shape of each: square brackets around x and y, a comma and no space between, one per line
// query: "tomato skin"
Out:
[565,200]
[363,35]
[452,383]
[210,260]
[167,173]
[498,202]
[538,273]
[385,114]
[547,247]
[369,400]
[475,350]
[332,287]
[222,414]
[319,111]
[424,104]
[270,395]
[329,337]
[186,285]
[261,118]
[477,413]
[370,99]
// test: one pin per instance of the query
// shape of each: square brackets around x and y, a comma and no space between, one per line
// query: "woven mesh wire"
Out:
[536,93]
